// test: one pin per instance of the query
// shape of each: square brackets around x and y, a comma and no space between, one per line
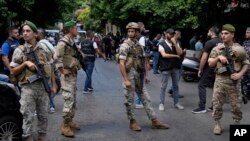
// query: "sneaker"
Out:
[199,111]
[178,106]
[52,110]
[85,92]
[138,106]
[90,89]
[161,107]
[210,108]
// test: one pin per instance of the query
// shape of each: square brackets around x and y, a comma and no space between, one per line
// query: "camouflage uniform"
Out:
[225,86]
[33,95]
[132,52]
[64,55]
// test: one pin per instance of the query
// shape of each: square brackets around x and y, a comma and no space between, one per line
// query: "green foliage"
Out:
[160,13]
[41,12]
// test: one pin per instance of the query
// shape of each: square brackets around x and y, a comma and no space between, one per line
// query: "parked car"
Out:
[80,36]
[52,36]
[10,116]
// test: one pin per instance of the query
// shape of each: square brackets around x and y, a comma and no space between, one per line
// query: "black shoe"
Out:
[170,91]
[210,108]
[180,96]
[199,111]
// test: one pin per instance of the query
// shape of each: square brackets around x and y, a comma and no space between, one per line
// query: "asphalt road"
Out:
[102,114]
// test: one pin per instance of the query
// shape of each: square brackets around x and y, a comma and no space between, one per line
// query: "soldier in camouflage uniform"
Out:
[33,95]
[227,81]
[132,64]
[67,63]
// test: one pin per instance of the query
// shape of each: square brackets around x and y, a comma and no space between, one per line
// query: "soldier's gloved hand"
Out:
[30,65]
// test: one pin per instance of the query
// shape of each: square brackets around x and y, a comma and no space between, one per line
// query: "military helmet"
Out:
[132,25]
[239,53]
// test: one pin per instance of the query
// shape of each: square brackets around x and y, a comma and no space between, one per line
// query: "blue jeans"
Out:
[180,74]
[138,98]
[51,101]
[174,73]
[4,78]
[155,61]
[89,70]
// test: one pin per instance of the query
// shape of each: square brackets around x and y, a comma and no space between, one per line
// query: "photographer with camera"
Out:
[231,63]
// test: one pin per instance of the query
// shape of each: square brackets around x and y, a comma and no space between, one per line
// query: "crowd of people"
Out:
[59,69]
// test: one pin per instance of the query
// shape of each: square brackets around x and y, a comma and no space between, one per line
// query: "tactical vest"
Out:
[69,56]
[135,58]
[237,64]
[26,73]
[88,49]
[12,46]
[169,63]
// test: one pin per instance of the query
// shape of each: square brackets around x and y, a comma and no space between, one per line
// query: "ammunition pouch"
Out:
[33,78]
[139,64]
[225,70]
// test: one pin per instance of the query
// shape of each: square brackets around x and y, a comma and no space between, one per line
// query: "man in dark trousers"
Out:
[89,49]
[206,73]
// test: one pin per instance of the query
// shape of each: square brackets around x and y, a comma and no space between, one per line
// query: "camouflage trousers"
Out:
[34,99]
[135,80]
[225,87]
[69,96]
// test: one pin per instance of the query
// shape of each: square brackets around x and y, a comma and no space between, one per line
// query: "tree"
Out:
[43,13]
[154,13]
[160,14]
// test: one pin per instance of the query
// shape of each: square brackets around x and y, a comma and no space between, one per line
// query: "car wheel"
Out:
[187,78]
[10,129]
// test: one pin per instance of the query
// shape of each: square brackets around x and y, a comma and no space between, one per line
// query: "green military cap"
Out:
[228,27]
[70,24]
[31,25]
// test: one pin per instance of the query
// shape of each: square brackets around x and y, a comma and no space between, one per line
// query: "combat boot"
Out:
[66,130]
[42,137]
[74,125]
[134,125]
[217,128]
[236,122]
[156,124]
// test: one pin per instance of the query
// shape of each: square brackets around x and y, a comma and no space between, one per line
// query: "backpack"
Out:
[148,45]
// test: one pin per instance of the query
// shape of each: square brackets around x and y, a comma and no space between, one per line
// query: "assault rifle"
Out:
[230,69]
[40,75]
[230,65]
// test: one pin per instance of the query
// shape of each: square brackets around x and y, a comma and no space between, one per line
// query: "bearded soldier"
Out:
[132,65]
[26,63]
